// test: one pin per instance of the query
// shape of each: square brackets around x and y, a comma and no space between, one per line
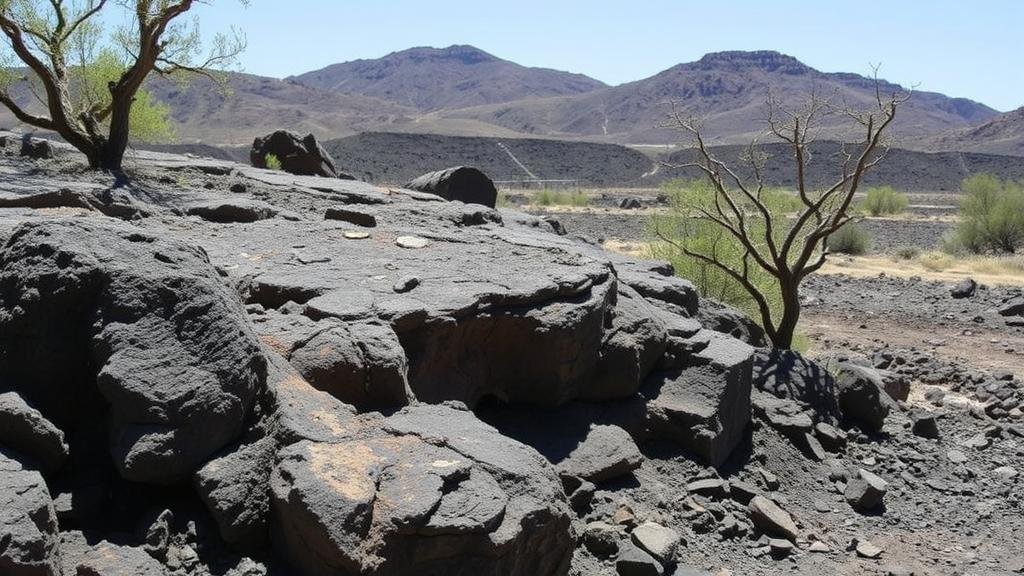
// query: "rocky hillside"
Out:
[728,90]
[1003,134]
[463,91]
[429,79]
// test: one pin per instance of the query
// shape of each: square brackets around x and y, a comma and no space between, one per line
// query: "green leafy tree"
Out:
[90,80]
[753,239]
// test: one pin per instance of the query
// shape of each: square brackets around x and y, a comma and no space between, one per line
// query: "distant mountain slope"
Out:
[256,105]
[445,90]
[446,78]
[397,158]
[1003,134]
[728,90]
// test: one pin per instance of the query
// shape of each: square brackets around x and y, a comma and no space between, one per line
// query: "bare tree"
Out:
[56,39]
[788,247]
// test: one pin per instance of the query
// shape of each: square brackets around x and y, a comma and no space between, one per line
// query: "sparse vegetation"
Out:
[732,225]
[699,236]
[273,162]
[991,216]
[851,239]
[549,197]
[502,201]
[883,201]
[935,261]
[907,252]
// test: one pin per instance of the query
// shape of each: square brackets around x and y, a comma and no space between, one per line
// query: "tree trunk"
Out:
[117,140]
[783,338]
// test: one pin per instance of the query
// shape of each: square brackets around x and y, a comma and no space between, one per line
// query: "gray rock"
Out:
[787,375]
[36,149]
[865,491]
[768,517]
[924,424]
[301,156]
[706,407]
[634,341]
[862,396]
[728,320]
[964,288]
[460,183]
[358,216]
[1012,307]
[425,473]
[606,452]
[106,559]
[632,561]
[25,430]
[29,538]
[657,540]
[602,539]
[234,488]
[362,364]
[157,535]
[234,210]
[116,297]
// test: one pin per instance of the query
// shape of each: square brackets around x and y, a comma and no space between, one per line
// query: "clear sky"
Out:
[968,48]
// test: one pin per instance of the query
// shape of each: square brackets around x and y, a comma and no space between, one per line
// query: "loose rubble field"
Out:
[216,369]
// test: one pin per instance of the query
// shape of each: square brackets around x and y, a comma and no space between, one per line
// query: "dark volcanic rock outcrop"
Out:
[92,307]
[311,385]
[300,156]
[460,183]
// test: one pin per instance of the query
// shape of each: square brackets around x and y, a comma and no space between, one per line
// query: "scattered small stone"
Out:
[405,284]
[657,540]
[865,491]
[924,424]
[780,547]
[602,539]
[865,549]
[964,288]
[633,561]
[624,516]
[772,519]
[956,456]
[411,242]
[707,487]
[819,548]
[354,235]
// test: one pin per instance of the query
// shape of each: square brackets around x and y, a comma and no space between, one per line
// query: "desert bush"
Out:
[883,200]
[556,198]
[703,237]
[273,162]
[907,252]
[851,239]
[991,216]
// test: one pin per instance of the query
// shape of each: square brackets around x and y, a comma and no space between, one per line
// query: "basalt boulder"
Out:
[297,155]
[461,183]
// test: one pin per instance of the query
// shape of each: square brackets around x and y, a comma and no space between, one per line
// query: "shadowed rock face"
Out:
[143,321]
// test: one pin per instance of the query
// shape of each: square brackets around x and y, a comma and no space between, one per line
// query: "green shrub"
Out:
[555,198]
[991,215]
[704,237]
[907,252]
[882,201]
[851,239]
[273,163]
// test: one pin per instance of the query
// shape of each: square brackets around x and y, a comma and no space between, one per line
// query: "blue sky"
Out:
[968,48]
